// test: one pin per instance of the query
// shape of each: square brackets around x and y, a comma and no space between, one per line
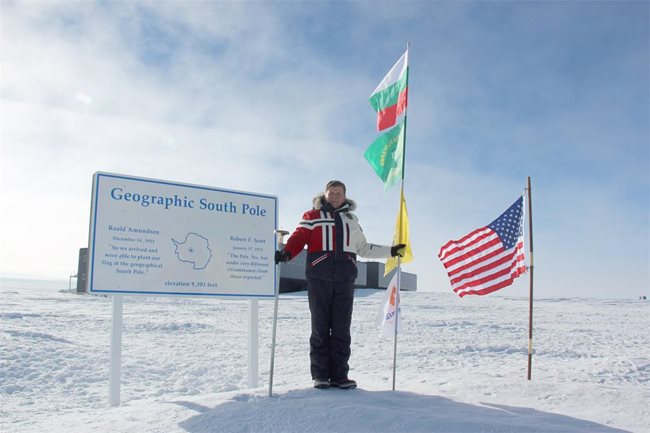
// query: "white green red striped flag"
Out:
[390,98]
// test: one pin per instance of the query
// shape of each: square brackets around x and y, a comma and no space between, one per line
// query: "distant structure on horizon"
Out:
[82,272]
[371,276]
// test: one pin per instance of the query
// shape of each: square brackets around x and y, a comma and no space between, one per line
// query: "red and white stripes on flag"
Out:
[489,258]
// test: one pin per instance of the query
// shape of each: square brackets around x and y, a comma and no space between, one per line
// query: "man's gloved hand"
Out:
[398,250]
[282,256]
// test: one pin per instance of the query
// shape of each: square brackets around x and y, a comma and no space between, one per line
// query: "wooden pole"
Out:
[531,269]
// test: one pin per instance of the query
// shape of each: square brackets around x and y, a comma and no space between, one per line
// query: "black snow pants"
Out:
[330,303]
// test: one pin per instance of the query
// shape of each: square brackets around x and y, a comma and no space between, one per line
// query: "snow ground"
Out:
[461,366]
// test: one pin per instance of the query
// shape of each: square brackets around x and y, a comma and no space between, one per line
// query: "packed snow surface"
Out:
[461,366]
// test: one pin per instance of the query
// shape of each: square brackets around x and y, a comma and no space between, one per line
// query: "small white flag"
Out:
[388,311]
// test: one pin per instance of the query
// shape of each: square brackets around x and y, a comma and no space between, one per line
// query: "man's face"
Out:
[335,196]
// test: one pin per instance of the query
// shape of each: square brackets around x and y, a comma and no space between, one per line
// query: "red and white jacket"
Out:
[334,239]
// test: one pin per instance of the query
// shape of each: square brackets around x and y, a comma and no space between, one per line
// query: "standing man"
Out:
[333,238]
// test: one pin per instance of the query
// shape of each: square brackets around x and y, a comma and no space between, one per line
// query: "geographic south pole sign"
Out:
[158,237]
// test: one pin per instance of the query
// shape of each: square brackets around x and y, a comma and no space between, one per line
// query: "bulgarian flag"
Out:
[390,98]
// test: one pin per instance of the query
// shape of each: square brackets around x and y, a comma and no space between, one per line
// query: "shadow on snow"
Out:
[361,411]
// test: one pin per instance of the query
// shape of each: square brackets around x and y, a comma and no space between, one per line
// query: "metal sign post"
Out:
[279,236]
[253,346]
[116,351]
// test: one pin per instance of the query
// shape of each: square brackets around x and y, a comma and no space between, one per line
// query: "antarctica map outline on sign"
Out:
[195,249]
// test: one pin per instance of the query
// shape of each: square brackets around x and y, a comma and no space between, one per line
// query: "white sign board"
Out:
[157,237]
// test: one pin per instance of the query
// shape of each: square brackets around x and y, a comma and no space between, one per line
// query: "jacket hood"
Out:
[319,201]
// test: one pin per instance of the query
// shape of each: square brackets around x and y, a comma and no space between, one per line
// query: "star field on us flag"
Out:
[509,226]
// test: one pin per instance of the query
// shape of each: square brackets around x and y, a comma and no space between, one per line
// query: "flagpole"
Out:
[408,45]
[401,200]
[397,296]
[531,268]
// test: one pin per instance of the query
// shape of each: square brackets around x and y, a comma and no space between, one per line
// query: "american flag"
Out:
[489,258]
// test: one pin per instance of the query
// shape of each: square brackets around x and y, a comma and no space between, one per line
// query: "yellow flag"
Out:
[401,237]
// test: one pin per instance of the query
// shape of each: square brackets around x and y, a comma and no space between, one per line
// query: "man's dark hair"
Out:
[335,183]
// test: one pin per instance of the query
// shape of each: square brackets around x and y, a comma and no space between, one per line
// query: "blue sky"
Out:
[271,97]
